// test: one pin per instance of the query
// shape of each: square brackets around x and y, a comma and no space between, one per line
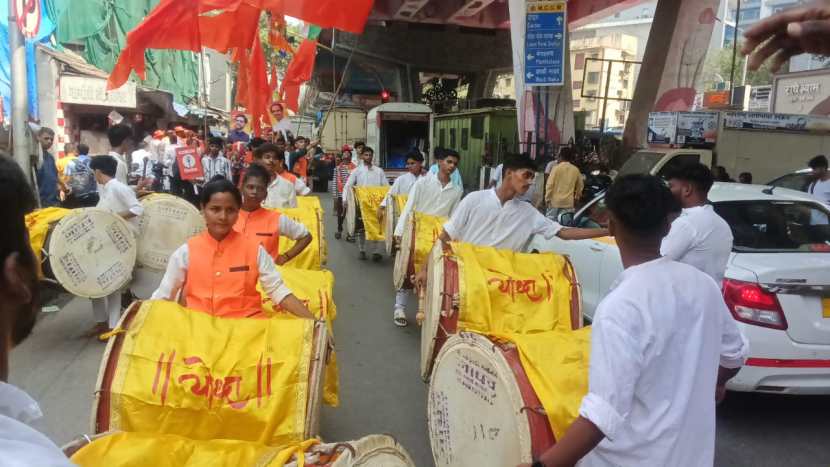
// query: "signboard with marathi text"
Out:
[776,122]
[545,31]
[190,166]
[93,91]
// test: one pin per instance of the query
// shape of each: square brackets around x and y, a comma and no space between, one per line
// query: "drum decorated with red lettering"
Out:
[183,372]
[133,448]
[166,224]
[481,407]
[90,252]
[404,259]
[443,300]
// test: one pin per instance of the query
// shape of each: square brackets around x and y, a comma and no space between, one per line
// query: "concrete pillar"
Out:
[672,67]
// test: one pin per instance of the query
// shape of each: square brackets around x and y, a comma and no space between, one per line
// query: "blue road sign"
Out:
[545,31]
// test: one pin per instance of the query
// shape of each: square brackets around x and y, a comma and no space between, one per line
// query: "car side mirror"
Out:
[566,219]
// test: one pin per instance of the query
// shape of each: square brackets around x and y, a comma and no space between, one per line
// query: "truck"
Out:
[343,125]
[767,145]
[393,129]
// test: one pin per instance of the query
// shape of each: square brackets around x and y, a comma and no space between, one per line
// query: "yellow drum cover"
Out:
[402,269]
[39,223]
[183,372]
[313,202]
[91,252]
[369,198]
[312,256]
[166,224]
[394,208]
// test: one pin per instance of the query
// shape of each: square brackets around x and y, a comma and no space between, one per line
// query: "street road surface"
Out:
[380,387]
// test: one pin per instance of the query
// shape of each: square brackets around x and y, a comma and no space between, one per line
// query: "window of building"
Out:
[577,84]
[442,137]
[577,104]
[465,138]
[477,127]
[452,138]
[579,61]
[593,77]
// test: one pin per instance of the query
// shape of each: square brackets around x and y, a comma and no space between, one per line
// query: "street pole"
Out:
[20,101]
[605,101]
[734,47]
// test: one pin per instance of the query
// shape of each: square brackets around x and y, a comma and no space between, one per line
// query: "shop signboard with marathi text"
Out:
[93,91]
[545,30]
[190,166]
[776,122]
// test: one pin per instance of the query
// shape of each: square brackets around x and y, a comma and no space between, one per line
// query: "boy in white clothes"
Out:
[433,194]
[663,346]
[403,184]
[119,199]
[365,175]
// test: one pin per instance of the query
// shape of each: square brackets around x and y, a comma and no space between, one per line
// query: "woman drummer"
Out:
[264,225]
[217,271]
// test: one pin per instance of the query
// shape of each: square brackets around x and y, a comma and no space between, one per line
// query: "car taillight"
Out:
[751,304]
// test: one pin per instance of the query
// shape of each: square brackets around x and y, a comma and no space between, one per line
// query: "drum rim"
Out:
[480,343]
[157,198]
[431,324]
[401,269]
[377,443]
[316,378]
[389,222]
[132,254]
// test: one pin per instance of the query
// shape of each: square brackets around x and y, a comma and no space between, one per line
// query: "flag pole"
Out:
[20,102]
[203,92]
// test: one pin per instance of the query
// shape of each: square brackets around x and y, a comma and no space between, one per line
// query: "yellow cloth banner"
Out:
[316,290]
[556,363]
[313,202]
[191,374]
[38,224]
[311,257]
[135,449]
[427,230]
[505,291]
[369,199]
[400,203]
[310,202]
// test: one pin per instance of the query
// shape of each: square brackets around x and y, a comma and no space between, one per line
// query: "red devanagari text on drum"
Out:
[512,287]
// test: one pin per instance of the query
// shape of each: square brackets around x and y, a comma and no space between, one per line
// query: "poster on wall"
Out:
[776,122]
[697,127]
[190,166]
[662,127]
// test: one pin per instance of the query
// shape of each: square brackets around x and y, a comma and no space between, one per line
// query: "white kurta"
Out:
[20,444]
[364,176]
[657,340]
[121,170]
[700,238]
[430,197]
[402,186]
[481,219]
[118,198]
[282,193]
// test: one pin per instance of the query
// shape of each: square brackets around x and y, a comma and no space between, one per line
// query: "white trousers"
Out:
[401,298]
[107,309]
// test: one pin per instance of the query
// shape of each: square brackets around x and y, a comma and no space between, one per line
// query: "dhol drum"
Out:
[313,256]
[168,221]
[481,407]
[313,202]
[182,372]
[419,235]
[126,448]
[443,301]
[394,208]
[404,266]
[90,252]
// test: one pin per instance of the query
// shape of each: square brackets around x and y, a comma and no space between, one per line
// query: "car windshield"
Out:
[640,163]
[777,226]
[796,181]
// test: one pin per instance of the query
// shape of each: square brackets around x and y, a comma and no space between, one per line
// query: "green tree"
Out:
[719,65]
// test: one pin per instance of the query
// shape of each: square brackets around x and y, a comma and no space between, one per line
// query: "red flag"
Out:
[259,92]
[241,59]
[346,15]
[298,72]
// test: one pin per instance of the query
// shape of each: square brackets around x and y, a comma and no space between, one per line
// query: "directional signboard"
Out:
[545,31]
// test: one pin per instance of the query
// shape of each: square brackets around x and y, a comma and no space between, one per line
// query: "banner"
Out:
[507,292]
[369,199]
[190,164]
[697,127]
[662,127]
[776,122]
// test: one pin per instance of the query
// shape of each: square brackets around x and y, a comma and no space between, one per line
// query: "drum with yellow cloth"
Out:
[362,211]
[313,202]
[166,224]
[89,252]
[171,370]
[312,257]
[504,400]
[419,235]
[393,209]
[482,289]
[125,448]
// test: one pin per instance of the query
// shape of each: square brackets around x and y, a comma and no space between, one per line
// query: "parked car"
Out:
[777,281]
[799,180]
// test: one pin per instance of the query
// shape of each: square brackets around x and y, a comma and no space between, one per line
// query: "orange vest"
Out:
[288,176]
[261,226]
[301,167]
[222,276]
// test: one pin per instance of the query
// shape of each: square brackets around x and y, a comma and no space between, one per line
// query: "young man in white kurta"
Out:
[663,346]
[365,175]
[285,186]
[118,199]
[699,237]
[433,194]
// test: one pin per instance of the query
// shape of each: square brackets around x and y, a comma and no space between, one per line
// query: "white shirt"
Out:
[821,190]
[120,170]
[292,229]
[218,166]
[20,444]
[283,194]
[657,340]
[430,197]
[700,238]
[549,167]
[496,176]
[117,198]
[402,186]
[364,176]
[481,219]
[171,284]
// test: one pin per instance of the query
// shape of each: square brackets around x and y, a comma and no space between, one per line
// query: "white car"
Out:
[777,281]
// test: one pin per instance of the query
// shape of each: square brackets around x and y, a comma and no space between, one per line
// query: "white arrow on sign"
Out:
[530,56]
[530,75]
[558,36]
[559,20]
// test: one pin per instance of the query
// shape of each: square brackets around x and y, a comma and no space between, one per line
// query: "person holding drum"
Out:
[264,225]
[434,194]
[20,444]
[217,271]
[364,175]
[285,186]
[663,346]
[403,184]
[119,199]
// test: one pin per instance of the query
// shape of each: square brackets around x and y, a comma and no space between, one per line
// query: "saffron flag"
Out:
[346,15]
[298,72]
